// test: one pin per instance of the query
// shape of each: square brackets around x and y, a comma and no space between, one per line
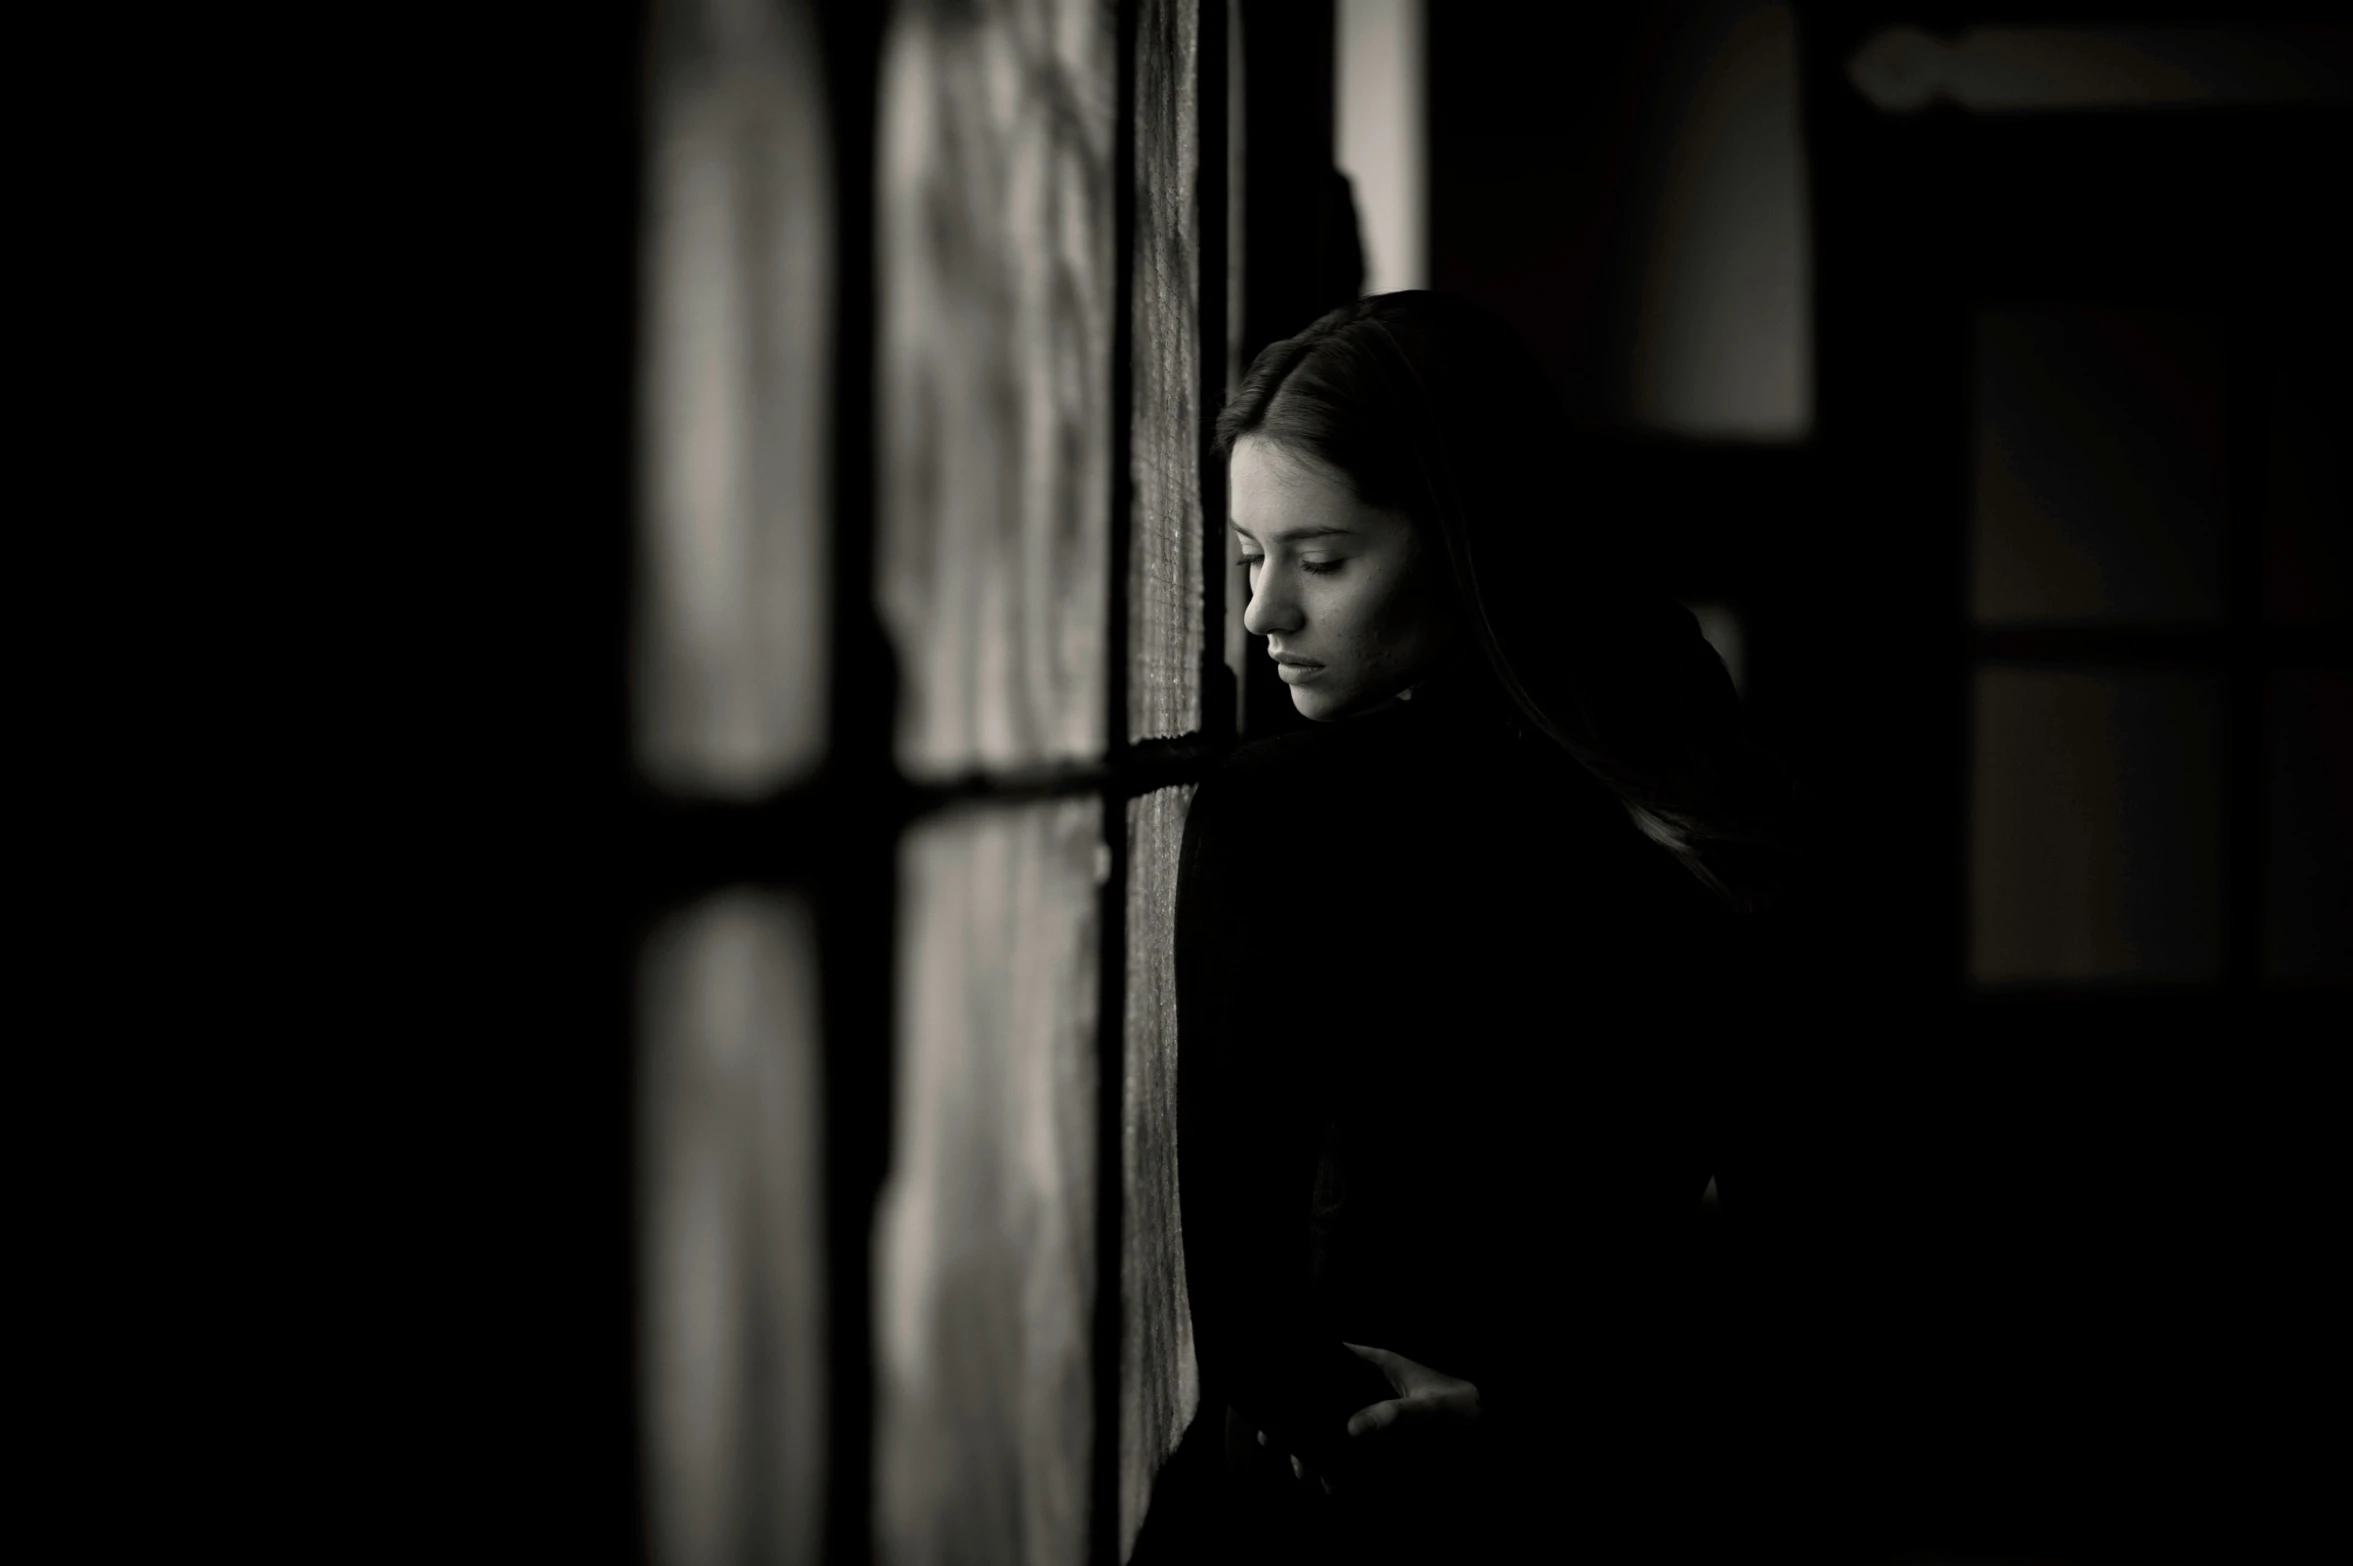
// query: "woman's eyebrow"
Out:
[1293,535]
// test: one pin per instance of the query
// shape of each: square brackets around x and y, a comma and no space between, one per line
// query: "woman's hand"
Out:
[1431,1418]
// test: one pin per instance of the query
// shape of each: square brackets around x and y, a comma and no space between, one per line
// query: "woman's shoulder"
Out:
[1257,787]
[1286,762]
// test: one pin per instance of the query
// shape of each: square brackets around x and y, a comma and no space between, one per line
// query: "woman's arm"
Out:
[1247,1139]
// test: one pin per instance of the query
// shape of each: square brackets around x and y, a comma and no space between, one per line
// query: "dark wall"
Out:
[1535,123]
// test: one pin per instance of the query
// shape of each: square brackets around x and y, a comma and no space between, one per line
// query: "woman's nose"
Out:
[1272,608]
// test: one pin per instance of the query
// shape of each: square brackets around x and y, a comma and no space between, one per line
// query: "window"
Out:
[2097,786]
[908,1266]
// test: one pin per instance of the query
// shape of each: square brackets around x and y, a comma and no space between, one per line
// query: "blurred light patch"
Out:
[1721,627]
[2308,852]
[2095,821]
[1165,586]
[732,1235]
[1159,1378]
[2100,466]
[1382,139]
[1723,344]
[985,1242]
[731,616]
[995,205]
[2007,69]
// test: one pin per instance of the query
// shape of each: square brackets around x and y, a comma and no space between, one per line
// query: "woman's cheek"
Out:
[1390,623]
[1335,608]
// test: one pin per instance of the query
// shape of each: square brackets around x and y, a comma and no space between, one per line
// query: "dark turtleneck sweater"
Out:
[1446,1026]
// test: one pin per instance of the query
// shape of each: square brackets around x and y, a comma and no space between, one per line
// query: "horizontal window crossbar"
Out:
[668,841]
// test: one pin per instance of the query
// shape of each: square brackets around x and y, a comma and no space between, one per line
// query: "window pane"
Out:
[2308,858]
[2307,576]
[995,377]
[1164,560]
[985,1263]
[2095,818]
[731,616]
[732,1235]
[1160,1386]
[2099,466]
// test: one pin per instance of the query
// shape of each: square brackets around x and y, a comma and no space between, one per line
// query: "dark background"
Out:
[2032,1273]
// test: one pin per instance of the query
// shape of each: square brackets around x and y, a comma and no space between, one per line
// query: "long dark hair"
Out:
[1429,406]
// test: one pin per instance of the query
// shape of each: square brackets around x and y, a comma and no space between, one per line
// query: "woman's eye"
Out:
[1313,567]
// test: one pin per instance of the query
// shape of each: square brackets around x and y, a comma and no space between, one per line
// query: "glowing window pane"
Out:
[996,278]
[985,1261]
[1383,144]
[1165,584]
[1159,1380]
[732,614]
[2095,822]
[2099,466]
[2308,859]
[732,1234]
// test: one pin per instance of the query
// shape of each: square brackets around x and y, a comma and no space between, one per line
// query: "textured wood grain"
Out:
[996,285]
[1159,1380]
[1165,584]
[732,616]
[732,1353]
[985,1243]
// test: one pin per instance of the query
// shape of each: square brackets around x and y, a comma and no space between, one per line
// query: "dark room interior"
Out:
[1975,375]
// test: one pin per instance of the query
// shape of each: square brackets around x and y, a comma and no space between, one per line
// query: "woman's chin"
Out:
[1316,706]
[1326,706]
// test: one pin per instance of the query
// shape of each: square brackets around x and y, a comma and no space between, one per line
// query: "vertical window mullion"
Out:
[2246,406]
[1220,697]
[857,910]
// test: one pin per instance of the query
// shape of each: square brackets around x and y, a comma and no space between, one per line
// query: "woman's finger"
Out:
[1298,1469]
[1379,1417]
[1379,1356]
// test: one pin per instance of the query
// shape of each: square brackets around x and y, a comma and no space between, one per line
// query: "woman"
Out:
[1452,965]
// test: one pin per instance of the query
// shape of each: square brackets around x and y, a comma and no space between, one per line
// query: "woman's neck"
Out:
[1457,671]
[1451,674]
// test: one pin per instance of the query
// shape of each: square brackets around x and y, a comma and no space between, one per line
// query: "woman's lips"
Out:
[1294,671]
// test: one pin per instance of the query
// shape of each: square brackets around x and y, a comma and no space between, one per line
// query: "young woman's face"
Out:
[1352,607]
